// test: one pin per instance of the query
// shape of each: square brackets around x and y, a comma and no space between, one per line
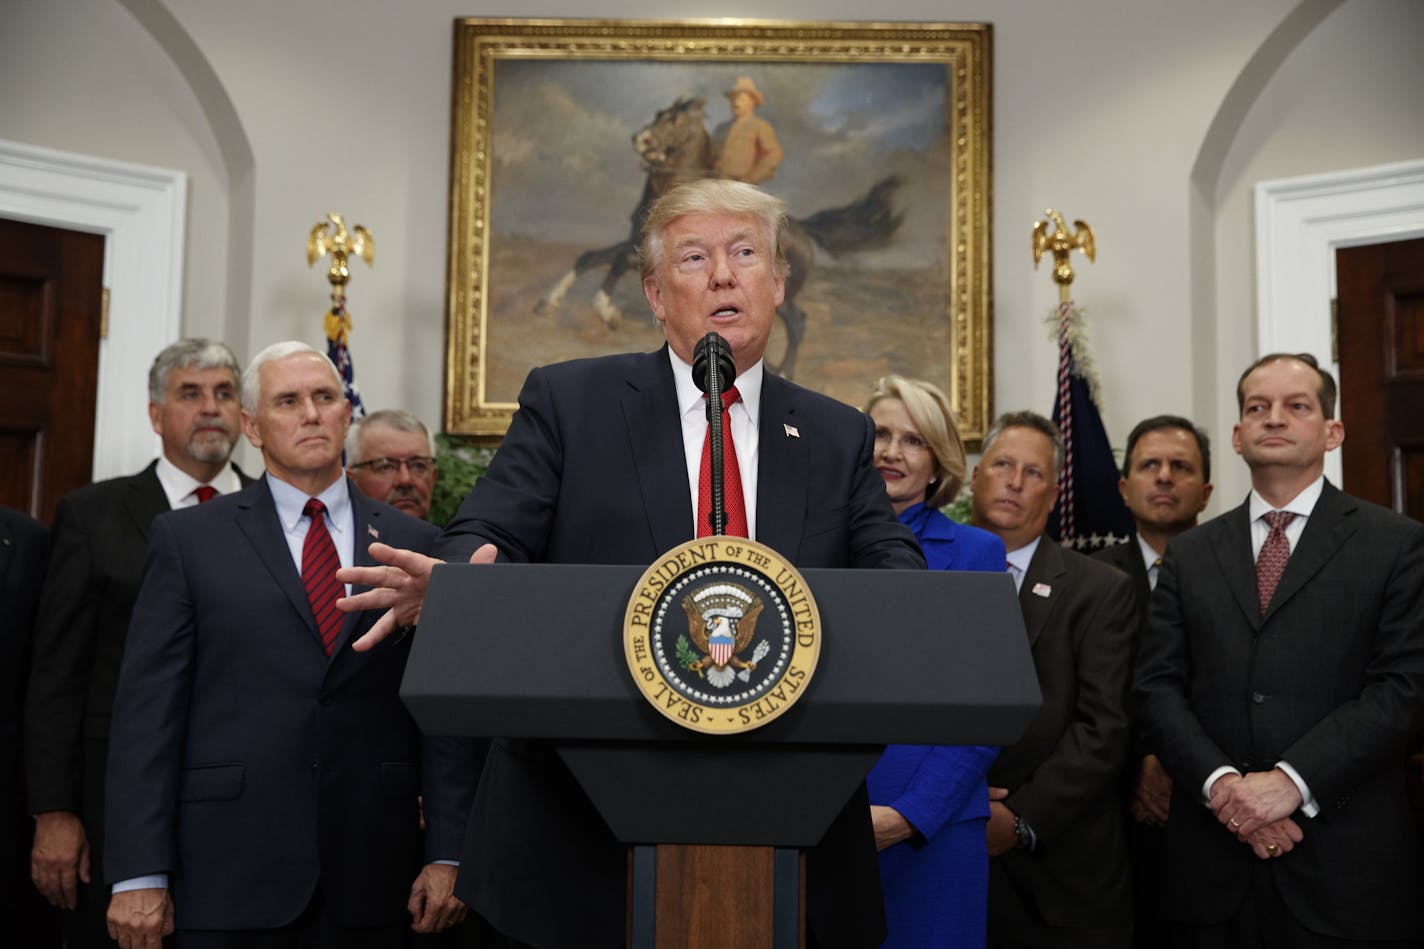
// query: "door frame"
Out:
[141,211]
[1300,222]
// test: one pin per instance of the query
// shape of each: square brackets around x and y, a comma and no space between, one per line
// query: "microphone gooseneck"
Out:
[713,369]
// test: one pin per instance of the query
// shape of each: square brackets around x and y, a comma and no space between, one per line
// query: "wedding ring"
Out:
[1234,823]
[1271,849]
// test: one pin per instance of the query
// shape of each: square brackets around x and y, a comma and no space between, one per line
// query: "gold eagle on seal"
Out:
[721,620]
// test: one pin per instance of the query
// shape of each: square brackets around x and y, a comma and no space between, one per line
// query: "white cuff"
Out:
[154,881]
[1211,779]
[1308,805]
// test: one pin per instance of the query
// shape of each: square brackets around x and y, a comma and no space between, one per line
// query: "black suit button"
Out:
[1246,764]
[1258,698]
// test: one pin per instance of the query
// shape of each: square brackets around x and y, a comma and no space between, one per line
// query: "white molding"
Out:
[1300,222]
[141,212]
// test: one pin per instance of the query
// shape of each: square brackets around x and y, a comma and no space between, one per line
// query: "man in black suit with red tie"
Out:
[1166,483]
[602,465]
[1282,678]
[265,780]
[98,546]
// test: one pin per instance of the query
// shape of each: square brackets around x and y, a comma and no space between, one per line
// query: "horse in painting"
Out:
[675,147]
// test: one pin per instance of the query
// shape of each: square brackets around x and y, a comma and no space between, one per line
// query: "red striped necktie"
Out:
[734,504]
[319,566]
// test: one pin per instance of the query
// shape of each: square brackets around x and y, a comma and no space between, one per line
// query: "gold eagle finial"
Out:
[1060,243]
[331,237]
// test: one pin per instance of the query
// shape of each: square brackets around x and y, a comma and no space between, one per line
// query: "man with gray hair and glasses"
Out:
[100,542]
[390,455]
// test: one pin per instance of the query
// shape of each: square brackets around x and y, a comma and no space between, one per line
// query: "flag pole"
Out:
[1088,512]
[331,237]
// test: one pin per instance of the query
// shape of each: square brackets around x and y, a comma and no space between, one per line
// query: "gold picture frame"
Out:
[885,131]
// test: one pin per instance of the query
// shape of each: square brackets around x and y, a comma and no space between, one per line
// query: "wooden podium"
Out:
[909,657]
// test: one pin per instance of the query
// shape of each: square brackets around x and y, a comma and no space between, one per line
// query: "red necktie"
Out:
[205,493]
[735,505]
[319,566]
[1271,561]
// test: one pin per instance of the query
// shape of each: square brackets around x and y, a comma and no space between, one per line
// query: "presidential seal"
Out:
[722,635]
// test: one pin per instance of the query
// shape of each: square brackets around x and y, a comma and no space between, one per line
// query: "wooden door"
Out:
[51,286]
[1380,323]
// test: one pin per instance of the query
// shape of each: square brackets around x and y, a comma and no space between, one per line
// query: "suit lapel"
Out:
[367,525]
[1237,563]
[650,410]
[1044,575]
[781,498]
[257,519]
[146,499]
[1326,530]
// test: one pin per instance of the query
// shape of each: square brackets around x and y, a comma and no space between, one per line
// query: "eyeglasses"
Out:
[909,444]
[418,466]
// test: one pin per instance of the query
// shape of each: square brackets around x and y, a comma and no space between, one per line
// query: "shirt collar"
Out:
[1024,555]
[177,484]
[1149,556]
[290,502]
[689,397]
[1301,505]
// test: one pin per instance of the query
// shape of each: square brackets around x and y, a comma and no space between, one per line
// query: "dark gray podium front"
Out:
[536,651]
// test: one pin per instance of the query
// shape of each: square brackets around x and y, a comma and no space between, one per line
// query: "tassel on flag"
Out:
[1089,513]
[338,326]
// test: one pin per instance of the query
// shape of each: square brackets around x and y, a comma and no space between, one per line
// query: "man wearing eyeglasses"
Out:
[390,455]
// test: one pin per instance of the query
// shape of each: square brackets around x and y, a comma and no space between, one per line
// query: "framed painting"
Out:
[877,137]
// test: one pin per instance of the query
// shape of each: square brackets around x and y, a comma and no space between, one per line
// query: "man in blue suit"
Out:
[264,779]
[601,465]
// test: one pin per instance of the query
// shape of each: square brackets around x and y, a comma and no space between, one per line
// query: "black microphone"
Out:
[712,356]
[713,370]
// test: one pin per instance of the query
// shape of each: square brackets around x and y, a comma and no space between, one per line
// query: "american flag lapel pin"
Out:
[373,532]
[1042,589]
[791,430]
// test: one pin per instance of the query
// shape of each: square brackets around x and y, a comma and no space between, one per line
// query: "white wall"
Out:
[1102,109]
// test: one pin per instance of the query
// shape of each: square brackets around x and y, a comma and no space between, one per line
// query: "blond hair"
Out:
[929,410]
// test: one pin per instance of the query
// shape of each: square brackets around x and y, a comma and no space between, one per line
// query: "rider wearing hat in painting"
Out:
[750,151]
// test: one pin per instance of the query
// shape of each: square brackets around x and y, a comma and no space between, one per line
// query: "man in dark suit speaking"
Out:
[264,781]
[98,547]
[601,465]
[1282,677]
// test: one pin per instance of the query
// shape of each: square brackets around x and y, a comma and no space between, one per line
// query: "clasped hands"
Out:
[1256,810]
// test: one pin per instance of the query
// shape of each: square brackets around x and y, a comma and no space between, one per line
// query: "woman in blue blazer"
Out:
[930,804]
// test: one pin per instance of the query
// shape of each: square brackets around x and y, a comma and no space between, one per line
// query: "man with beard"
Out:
[1166,482]
[390,455]
[99,544]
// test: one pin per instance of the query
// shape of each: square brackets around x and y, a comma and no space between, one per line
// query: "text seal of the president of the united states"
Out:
[722,634]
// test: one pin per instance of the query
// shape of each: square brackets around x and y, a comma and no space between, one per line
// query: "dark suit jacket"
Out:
[1331,680]
[245,762]
[1062,775]
[22,565]
[1128,558]
[98,548]
[593,471]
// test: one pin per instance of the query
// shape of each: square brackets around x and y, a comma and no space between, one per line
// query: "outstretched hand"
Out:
[398,587]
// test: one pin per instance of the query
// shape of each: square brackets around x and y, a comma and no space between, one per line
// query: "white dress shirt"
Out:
[745,416]
[1020,559]
[179,486]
